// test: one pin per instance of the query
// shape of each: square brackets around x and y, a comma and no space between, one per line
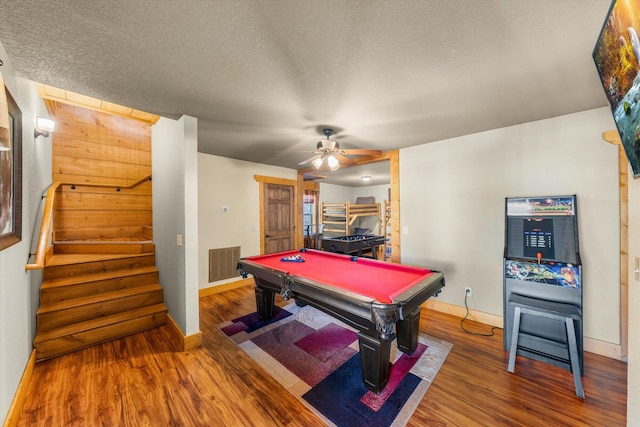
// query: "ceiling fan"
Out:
[329,156]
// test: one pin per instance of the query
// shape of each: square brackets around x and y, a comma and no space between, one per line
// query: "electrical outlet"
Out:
[467,292]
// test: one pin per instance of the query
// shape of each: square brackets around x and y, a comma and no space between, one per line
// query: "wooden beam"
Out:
[274,180]
[613,137]
[623,168]
[394,168]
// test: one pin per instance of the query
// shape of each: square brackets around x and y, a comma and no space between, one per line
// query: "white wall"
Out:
[18,294]
[330,193]
[452,201]
[175,212]
[230,183]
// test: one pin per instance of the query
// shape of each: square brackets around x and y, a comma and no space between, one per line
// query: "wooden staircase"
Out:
[95,245]
[93,292]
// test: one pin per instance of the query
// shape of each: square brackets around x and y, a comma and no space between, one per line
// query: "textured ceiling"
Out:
[263,77]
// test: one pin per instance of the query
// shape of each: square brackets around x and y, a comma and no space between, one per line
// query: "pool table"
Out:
[370,295]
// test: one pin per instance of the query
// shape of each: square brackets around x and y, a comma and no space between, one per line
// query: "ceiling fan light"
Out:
[333,163]
[317,162]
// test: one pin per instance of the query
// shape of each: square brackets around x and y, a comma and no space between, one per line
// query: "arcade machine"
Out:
[542,261]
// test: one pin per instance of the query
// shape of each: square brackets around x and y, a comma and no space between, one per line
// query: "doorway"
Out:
[278,217]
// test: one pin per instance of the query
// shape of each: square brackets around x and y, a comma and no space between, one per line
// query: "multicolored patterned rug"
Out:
[315,357]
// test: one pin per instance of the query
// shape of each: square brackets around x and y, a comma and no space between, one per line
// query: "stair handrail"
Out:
[45,226]
[44,237]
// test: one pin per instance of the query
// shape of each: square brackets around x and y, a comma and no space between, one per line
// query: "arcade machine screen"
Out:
[545,231]
[538,238]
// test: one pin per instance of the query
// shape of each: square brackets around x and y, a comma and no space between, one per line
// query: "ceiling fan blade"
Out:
[357,152]
[344,160]
[309,160]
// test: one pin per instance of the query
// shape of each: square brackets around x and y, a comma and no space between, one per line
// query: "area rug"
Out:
[316,358]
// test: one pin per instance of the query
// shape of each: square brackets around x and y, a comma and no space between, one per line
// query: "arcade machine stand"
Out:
[543,279]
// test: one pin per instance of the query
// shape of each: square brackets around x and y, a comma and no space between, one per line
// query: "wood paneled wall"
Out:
[98,155]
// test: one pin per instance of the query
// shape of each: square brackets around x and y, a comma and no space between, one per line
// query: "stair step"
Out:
[74,280]
[99,322]
[62,313]
[104,233]
[66,288]
[96,331]
[142,237]
[71,259]
[102,247]
[59,266]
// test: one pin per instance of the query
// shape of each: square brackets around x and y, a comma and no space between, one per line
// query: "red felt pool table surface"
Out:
[382,281]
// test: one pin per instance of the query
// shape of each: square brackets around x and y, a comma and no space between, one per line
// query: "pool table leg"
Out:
[407,331]
[265,299]
[374,359]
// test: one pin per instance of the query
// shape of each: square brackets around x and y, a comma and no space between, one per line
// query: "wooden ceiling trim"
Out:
[50,93]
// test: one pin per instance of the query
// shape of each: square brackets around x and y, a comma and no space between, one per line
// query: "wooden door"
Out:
[279,220]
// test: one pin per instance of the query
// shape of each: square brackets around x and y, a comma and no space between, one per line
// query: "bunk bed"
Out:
[339,217]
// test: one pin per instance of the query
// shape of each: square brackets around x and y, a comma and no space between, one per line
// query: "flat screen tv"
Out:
[617,58]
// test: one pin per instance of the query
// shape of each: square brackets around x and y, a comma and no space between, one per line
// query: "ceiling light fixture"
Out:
[326,162]
[333,162]
[317,162]
[44,127]
[366,178]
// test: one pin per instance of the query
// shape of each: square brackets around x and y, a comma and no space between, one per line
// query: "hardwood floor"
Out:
[142,380]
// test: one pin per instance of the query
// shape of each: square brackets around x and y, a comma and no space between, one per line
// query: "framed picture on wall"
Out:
[10,170]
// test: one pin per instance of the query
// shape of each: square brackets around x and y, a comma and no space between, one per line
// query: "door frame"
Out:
[297,206]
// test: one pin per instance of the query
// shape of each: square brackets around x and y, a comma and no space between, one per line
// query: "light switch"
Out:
[405,230]
[179,240]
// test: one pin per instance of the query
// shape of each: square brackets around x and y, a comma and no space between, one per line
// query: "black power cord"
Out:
[493,328]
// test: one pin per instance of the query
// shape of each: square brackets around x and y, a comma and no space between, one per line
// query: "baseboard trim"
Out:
[216,289]
[474,315]
[184,342]
[21,393]
[613,351]
[602,348]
